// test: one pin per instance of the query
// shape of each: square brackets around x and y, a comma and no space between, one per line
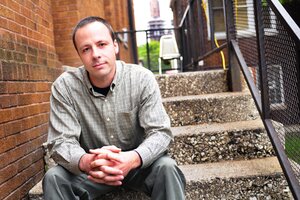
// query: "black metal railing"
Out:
[264,42]
[148,51]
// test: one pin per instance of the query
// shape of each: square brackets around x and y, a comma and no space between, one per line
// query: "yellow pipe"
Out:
[204,5]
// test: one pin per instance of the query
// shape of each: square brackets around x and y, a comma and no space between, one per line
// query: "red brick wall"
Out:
[35,41]
[28,65]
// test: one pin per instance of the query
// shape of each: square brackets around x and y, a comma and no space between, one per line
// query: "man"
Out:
[108,127]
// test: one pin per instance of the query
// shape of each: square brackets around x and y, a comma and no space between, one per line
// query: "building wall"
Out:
[28,65]
[35,41]
[196,49]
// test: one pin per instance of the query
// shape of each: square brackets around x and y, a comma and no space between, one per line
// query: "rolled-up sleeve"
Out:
[155,121]
[64,129]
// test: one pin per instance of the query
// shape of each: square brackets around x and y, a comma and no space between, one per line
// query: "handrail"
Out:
[261,98]
[285,18]
[243,65]
[217,49]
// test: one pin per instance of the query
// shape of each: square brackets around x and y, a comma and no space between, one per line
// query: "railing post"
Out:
[201,27]
[148,51]
[262,59]
[211,25]
[234,78]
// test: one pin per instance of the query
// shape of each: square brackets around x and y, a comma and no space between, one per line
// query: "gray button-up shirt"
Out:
[130,117]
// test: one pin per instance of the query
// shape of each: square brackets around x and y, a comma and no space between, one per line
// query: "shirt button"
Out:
[107,119]
[105,100]
[111,136]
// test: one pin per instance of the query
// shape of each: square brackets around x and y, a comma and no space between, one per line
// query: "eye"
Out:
[85,50]
[101,44]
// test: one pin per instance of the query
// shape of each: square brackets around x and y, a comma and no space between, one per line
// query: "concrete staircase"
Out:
[220,142]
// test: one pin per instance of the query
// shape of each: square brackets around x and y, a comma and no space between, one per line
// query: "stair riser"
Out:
[192,83]
[263,187]
[214,147]
[259,187]
[206,110]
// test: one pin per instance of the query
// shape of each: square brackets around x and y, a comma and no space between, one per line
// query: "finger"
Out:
[112,183]
[114,156]
[113,178]
[97,174]
[100,162]
[111,170]
[99,151]
[112,148]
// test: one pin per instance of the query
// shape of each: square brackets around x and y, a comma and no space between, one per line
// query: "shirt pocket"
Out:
[128,128]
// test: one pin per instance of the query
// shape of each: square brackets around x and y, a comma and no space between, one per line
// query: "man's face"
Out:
[97,51]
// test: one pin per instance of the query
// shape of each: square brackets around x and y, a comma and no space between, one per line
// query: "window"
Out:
[244,18]
[275,85]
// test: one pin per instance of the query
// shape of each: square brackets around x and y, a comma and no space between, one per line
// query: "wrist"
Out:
[137,161]
[84,162]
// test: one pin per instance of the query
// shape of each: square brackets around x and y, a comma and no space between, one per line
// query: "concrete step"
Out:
[208,108]
[192,83]
[248,179]
[220,141]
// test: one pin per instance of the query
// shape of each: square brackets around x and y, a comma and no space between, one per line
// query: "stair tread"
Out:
[223,170]
[217,127]
[206,96]
[231,169]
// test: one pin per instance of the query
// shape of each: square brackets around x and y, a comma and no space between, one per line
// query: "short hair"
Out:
[89,20]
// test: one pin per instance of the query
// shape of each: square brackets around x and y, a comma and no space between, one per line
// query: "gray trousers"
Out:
[163,180]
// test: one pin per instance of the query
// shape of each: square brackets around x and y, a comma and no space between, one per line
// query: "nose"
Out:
[96,53]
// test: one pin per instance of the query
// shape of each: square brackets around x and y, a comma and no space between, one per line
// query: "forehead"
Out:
[93,30]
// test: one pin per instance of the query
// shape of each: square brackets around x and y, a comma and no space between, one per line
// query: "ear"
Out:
[116,45]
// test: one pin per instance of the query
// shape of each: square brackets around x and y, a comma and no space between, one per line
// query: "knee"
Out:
[166,165]
[53,174]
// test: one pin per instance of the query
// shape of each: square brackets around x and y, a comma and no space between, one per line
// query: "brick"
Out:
[8,101]
[5,115]
[3,87]
[20,19]
[8,172]
[19,112]
[2,131]
[13,26]
[9,72]
[42,86]
[14,195]
[6,13]
[8,45]
[37,143]
[14,154]
[13,6]
[19,57]
[12,184]
[25,99]
[12,127]
[15,87]
[27,135]
[21,48]
[24,162]
[7,143]
[3,22]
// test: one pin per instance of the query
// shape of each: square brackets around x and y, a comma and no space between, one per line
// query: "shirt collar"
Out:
[113,85]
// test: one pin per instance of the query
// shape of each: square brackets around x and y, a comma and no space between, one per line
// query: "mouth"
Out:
[99,65]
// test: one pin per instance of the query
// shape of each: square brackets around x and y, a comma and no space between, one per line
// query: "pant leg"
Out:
[60,184]
[163,180]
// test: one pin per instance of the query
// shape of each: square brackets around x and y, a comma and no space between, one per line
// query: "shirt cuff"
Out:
[74,162]
[145,155]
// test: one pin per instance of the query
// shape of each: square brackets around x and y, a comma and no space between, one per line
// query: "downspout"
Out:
[132,31]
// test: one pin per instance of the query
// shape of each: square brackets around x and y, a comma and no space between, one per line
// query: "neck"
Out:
[102,82]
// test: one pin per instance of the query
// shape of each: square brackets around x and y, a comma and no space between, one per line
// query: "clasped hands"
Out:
[109,165]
